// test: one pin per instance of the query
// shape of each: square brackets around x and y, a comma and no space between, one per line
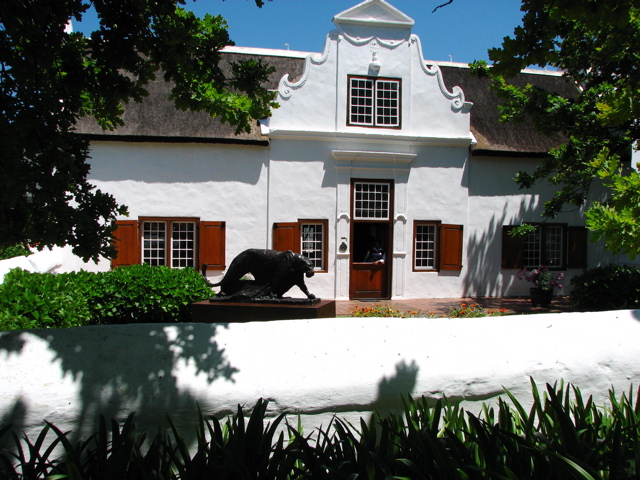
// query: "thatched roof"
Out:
[156,119]
[505,138]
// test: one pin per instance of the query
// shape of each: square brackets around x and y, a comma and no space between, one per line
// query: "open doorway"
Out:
[371,230]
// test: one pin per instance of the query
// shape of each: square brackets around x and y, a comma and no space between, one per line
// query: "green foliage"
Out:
[595,45]
[42,300]
[146,294]
[49,78]
[617,221]
[14,251]
[562,436]
[135,294]
[612,287]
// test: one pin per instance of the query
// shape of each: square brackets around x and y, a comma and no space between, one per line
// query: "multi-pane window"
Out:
[544,247]
[175,242]
[154,241]
[307,237]
[437,246]
[183,244]
[371,200]
[312,241]
[374,102]
[554,246]
[170,243]
[425,246]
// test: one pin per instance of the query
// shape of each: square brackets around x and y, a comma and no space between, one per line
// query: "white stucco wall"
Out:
[314,368]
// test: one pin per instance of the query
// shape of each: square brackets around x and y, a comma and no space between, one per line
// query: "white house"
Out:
[371,142]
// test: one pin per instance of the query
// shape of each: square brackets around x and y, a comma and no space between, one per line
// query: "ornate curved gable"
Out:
[373,43]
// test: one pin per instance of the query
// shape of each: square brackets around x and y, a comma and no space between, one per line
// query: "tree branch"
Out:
[440,6]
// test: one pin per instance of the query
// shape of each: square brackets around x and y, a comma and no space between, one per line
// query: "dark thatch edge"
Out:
[167,139]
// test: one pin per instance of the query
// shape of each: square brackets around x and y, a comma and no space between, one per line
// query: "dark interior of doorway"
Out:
[364,236]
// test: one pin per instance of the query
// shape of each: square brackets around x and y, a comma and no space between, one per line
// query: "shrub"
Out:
[146,294]
[41,300]
[612,287]
[14,251]
[135,294]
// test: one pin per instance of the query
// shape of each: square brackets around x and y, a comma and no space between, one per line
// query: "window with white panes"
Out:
[371,200]
[312,243]
[154,241]
[171,243]
[424,256]
[553,246]
[374,102]
[183,244]
[556,246]
[544,247]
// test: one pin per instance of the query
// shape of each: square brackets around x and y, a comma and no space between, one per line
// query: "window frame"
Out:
[448,248]
[288,236]
[324,249]
[169,250]
[573,249]
[436,263]
[374,106]
[388,200]
[208,244]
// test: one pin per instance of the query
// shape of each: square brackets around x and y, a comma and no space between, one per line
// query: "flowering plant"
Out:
[541,277]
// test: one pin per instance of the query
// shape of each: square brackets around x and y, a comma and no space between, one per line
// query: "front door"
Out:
[371,236]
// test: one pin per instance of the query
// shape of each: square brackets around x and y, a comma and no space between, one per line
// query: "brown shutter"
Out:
[126,241]
[512,249]
[286,236]
[577,240]
[213,244]
[451,247]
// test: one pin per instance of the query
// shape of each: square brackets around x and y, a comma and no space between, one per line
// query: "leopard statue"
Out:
[273,272]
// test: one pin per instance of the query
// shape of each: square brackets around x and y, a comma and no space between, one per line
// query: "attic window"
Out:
[374,102]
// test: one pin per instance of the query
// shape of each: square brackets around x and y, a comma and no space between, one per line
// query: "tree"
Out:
[596,44]
[50,77]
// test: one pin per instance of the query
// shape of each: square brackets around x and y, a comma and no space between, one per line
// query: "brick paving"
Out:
[441,306]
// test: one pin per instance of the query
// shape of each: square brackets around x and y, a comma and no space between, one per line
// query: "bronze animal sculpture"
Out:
[274,274]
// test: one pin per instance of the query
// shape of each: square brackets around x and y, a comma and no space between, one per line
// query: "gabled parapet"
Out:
[373,42]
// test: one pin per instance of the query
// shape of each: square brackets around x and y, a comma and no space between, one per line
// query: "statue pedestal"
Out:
[232,312]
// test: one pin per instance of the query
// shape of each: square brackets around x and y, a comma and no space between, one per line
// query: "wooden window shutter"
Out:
[451,237]
[212,245]
[577,240]
[512,249]
[127,243]
[286,236]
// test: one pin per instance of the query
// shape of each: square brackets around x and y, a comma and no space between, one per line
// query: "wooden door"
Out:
[368,280]
[371,225]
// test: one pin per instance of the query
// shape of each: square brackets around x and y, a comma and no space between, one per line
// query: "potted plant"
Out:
[544,280]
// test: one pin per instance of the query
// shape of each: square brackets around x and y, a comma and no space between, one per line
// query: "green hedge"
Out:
[14,251]
[135,294]
[563,436]
[612,287]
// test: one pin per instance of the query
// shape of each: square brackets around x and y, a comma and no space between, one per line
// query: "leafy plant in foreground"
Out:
[561,436]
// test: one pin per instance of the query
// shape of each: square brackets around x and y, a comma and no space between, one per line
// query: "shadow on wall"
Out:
[116,380]
[393,389]
[484,253]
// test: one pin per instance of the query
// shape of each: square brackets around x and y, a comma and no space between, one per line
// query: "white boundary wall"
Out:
[347,366]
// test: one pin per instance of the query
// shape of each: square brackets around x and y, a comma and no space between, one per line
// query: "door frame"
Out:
[354,265]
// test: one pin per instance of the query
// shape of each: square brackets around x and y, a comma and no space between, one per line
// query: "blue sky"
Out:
[461,31]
